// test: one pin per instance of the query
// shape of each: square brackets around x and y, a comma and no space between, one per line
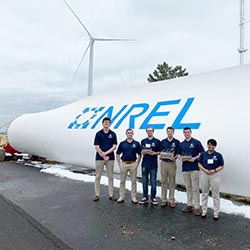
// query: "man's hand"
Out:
[192,159]
[106,158]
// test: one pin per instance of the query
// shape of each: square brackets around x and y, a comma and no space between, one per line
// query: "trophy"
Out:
[167,155]
[186,157]
[146,150]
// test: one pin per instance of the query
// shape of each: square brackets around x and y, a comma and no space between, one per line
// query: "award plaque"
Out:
[186,157]
[167,155]
[146,151]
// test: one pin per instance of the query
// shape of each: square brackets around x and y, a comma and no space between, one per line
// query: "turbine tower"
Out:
[91,49]
[241,49]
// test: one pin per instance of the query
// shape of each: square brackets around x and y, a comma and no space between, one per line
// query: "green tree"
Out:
[165,72]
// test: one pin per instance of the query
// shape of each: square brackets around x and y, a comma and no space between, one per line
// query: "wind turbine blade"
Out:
[83,56]
[77,18]
[111,39]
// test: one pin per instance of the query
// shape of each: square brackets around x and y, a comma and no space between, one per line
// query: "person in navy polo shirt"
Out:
[189,152]
[168,168]
[128,162]
[150,151]
[210,164]
[105,144]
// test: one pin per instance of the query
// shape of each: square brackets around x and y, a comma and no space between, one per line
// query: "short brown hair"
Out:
[129,129]
[171,128]
[150,128]
[187,128]
[106,119]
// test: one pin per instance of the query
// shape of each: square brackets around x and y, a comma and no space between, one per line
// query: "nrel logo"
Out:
[133,112]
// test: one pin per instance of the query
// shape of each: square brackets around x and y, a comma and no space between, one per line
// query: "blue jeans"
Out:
[146,172]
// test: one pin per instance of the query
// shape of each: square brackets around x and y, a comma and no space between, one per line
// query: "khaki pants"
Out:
[2,154]
[132,169]
[168,172]
[110,170]
[213,182]
[191,179]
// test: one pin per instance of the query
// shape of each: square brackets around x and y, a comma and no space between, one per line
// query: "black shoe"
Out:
[216,217]
[154,201]
[96,198]
[143,201]
[203,215]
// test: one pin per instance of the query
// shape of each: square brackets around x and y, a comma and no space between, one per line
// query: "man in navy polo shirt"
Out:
[189,152]
[128,162]
[150,151]
[105,144]
[210,164]
[168,168]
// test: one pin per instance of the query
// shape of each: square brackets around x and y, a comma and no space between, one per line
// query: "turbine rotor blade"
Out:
[83,56]
[112,39]
[77,18]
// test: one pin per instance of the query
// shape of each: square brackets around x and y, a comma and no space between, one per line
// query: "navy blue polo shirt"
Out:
[170,146]
[211,161]
[150,161]
[193,148]
[105,141]
[129,150]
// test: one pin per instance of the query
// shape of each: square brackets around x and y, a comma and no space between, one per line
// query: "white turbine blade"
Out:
[83,56]
[112,39]
[77,18]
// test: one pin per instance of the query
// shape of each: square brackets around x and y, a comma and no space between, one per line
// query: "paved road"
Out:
[65,209]
[19,231]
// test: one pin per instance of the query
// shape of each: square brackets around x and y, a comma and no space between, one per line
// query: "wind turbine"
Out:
[91,49]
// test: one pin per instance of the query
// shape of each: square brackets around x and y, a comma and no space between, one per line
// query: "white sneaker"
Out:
[120,200]
[143,201]
[154,201]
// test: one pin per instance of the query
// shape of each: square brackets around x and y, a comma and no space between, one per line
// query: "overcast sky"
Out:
[41,44]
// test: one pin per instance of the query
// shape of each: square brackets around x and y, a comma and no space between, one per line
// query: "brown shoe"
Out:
[96,198]
[187,209]
[172,204]
[112,198]
[163,204]
[197,212]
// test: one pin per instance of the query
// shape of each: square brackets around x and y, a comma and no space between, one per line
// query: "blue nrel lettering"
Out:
[143,106]
[177,123]
[85,124]
[128,114]
[154,113]
[109,113]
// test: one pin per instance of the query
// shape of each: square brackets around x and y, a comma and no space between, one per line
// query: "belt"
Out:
[128,162]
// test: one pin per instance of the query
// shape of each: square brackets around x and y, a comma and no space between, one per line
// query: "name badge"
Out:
[210,161]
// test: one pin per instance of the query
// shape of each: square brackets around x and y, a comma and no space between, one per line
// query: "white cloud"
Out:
[42,44]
